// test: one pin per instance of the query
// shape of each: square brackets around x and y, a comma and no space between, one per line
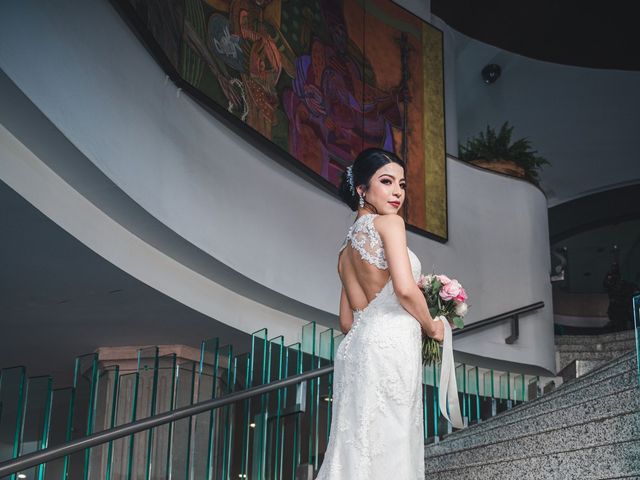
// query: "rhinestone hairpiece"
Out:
[350,179]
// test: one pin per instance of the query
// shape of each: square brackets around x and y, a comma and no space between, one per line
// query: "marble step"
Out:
[617,345]
[578,368]
[565,358]
[587,339]
[616,460]
[615,376]
[623,362]
[589,410]
[606,430]
[478,433]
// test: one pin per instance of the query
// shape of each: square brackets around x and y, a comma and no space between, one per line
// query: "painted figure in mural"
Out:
[247,53]
[267,56]
[333,112]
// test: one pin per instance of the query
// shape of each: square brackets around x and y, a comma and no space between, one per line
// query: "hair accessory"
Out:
[350,179]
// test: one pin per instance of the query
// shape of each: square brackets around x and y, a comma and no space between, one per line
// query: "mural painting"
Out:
[320,79]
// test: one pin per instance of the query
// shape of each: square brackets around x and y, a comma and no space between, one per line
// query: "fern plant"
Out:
[492,146]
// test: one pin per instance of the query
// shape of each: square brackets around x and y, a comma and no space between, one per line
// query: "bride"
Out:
[376,427]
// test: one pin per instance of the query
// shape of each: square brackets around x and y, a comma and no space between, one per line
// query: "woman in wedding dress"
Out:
[376,428]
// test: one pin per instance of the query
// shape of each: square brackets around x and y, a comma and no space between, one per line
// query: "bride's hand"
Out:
[438,334]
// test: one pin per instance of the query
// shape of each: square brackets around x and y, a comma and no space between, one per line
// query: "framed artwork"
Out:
[320,80]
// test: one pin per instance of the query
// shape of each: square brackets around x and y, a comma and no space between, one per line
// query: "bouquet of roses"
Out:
[446,301]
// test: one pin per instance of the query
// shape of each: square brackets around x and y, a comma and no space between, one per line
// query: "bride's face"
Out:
[386,189]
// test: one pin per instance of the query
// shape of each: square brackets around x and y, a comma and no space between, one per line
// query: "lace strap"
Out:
[366,240]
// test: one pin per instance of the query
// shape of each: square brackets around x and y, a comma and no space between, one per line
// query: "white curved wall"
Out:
[82,66]
[585,121]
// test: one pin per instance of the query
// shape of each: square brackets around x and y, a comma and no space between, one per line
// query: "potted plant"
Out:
[495,151]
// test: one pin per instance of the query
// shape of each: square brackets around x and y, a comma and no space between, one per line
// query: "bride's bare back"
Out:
[362,266]
[361,280]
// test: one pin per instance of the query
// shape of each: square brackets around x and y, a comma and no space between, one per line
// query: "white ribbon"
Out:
[448,391]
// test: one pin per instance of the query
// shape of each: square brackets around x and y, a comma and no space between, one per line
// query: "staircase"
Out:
[577,355]
[588,428]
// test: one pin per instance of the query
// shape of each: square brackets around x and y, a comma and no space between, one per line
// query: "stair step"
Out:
[587,339]
[605,461]
[513,418]
[615,376]
[592,410]
[609,429]
[618,345]
[565,358]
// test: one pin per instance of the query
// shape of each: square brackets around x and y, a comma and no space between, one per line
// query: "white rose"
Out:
[461,309]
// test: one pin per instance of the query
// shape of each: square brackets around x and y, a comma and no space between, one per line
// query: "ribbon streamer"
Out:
[448,391]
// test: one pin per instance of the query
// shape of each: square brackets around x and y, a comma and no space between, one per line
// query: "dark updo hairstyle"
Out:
[365,165]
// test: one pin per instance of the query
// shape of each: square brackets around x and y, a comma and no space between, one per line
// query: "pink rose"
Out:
[462,296]
[450,290]
[443,279]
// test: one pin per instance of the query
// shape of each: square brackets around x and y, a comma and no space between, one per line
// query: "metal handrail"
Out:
[42,456]
[36,458]
[512,315]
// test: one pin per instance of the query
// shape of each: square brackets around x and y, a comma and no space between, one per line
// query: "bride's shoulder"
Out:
[389,224]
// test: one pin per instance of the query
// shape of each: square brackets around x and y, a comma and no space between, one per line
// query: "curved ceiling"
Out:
[596,35]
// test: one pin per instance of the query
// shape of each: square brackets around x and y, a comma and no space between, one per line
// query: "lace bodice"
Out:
[366,240]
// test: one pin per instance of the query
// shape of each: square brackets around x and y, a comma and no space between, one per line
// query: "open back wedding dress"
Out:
[376,426]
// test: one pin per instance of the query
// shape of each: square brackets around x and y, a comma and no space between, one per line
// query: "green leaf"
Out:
[458,322]
[489,145]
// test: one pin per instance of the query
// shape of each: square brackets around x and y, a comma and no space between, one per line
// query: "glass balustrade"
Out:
[273,436]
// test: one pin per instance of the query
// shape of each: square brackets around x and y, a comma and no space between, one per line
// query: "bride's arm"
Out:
[346,314]
[394,239]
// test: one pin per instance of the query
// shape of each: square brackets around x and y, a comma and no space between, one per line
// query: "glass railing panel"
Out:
[121,464]
[427,400]
[85,383]
[488,402]
[308,421]
[104,418]
[36,421]
[204,423]
[504,382]
[533,388]
[241,418]
[461,383]
[324,387]
[441,425]
[223,440]
[308,340]
[258,405]
[518,388]
[337,340]
[294,406]
[59,430]
[148,369]
[275,405]
[181,430]
[636,323]
[473,394]
[13,383]
[160,450]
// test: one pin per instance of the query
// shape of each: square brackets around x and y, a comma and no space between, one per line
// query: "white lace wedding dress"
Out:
[376,426]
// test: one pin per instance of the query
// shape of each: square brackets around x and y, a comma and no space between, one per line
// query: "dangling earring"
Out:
[361,203]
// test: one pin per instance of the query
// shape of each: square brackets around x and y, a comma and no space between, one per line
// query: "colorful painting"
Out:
[323,80]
